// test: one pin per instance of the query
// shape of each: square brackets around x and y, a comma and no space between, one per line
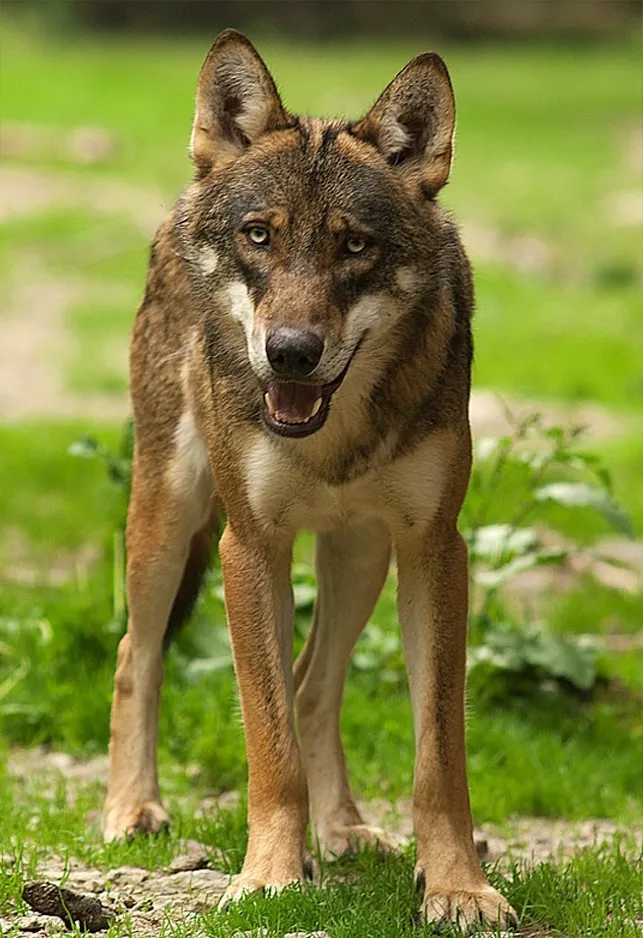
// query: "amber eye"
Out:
[258,235]
[355,245]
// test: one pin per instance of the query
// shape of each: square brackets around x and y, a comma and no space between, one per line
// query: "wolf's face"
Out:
[312,235]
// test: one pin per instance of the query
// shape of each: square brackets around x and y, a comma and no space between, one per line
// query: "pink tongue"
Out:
[292,403]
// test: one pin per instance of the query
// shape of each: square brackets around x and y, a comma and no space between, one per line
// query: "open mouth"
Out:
[292,408]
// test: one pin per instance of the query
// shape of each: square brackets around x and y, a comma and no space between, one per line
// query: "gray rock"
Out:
[36,924]
[195,857]
[130,875]
[210,884]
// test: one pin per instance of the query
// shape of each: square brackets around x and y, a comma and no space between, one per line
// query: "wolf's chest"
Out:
[283,495]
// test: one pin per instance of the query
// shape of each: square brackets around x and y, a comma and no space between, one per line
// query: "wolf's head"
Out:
[313,235]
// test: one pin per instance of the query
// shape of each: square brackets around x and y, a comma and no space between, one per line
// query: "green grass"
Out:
[569,354]
[525,755]
[596,893]
[37,477]
[542,145]
[599,609]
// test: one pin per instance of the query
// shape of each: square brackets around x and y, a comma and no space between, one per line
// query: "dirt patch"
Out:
[20,566]
[495,414]
[624,208]
[525,253]
[526,841]
[31,340]
[612,561]
[48,764]
[189,886]
[26,192]
[35,142]
[34,347]
[147,898]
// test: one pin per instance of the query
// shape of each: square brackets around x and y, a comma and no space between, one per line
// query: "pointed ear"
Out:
[412,123]
[236,101]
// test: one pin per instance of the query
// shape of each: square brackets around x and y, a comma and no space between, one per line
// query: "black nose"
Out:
[293,352]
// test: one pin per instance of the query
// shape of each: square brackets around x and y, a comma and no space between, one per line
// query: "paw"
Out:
[339,841]
[245,883]
[149,817]
[467,909]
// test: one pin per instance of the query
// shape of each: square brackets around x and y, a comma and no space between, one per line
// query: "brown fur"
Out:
[357,252]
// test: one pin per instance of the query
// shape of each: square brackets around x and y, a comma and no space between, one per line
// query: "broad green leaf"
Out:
[493,579]
[86,447]
[582,495]
[201,667]
[533,648]
[488,446]
[493,540]
[562,658]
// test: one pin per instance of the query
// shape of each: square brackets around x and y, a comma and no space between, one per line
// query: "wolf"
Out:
[301,359]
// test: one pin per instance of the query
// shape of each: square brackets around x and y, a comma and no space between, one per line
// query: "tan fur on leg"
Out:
[351,569]
[433,616]
[162,520]
[260,616]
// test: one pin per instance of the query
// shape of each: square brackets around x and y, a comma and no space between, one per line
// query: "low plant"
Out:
[529,472]
[117,465]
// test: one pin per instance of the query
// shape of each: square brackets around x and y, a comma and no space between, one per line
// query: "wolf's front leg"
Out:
[260,617]
[433,615]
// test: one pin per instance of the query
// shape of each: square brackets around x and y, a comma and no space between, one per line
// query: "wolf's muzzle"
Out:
[293,353]
[299,408]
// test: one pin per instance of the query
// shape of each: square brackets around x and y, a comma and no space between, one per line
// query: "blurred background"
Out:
[321,20]
[95,115]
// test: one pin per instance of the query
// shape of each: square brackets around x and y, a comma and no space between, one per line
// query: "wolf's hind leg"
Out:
[351,569]
[168,533]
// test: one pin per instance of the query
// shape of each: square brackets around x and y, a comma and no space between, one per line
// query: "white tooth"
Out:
[270,404]
[316,407]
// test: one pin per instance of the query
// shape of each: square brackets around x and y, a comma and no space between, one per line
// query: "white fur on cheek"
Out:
[208,260]
[241,306]
[243,311]
[406,278]
[367,313]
